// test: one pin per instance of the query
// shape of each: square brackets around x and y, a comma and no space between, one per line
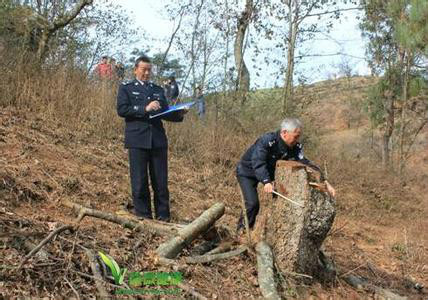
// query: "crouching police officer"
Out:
[259,162]
[146,140]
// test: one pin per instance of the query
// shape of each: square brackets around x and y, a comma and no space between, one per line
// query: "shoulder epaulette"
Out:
[154,85]
[126,82]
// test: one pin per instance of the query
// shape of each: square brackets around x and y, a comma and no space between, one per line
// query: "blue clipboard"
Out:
[173,108]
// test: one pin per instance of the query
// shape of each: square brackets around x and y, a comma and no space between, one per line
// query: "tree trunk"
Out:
[389,127]
[294,232]
[194,52]
[243,82]
[291,46]
[51,27]
[402,159]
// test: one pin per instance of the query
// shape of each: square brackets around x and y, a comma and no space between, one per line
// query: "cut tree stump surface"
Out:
[296,233]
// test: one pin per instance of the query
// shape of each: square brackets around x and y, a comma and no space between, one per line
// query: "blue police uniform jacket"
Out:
[259,161]
[174,90]
[141,131]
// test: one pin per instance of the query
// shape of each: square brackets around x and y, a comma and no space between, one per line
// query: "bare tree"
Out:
[243,21]
[45,19]
[173,35]
[72,31]
[287,25]
[49,29]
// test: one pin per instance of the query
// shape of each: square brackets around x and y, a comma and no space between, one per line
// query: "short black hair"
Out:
[171,78]
[142,58]
[104,57]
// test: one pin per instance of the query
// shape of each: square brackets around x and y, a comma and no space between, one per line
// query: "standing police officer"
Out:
[259,162]
[146,140]
[171,90]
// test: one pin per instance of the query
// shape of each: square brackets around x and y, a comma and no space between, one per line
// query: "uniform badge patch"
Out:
[301,156]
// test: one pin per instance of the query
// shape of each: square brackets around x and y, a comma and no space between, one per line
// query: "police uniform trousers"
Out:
[248,187]
[154,162]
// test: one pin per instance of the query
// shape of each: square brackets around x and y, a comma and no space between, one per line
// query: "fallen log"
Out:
[265,271]
[172,247]
[157,227]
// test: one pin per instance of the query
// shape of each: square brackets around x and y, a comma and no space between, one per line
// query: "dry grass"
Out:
[60,138]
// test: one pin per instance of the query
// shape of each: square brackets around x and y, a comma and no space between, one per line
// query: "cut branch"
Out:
[221,248]
[30,246]
[360,283]
[191,290]
[157,227]
[172,247]
[356,281]
[42,243]
[200,259]
[265,271]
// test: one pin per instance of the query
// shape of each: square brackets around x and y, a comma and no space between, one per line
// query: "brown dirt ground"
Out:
[378,233]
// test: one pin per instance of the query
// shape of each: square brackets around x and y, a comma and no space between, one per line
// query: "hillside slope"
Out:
[378,233]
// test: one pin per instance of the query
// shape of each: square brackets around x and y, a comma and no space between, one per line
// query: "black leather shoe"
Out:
[167,220]
[140,216]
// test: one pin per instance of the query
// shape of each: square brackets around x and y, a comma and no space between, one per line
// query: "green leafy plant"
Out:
[117,273]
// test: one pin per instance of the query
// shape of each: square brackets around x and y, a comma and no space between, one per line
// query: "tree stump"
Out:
[296,233]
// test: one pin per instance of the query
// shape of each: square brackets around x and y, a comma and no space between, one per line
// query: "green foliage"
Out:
[378,28]
[95,31]
[412,32]
[376,96]
[374,103]
[418,85]
[118,274]
[389,25]
[167,66]
[13,29]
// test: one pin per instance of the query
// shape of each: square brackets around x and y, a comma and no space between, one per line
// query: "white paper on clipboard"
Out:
[173,108]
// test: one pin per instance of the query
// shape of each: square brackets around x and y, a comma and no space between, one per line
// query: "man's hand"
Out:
[152,106]
[268,188]
[330,189]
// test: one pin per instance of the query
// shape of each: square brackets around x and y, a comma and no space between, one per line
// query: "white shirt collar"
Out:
[140,81]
